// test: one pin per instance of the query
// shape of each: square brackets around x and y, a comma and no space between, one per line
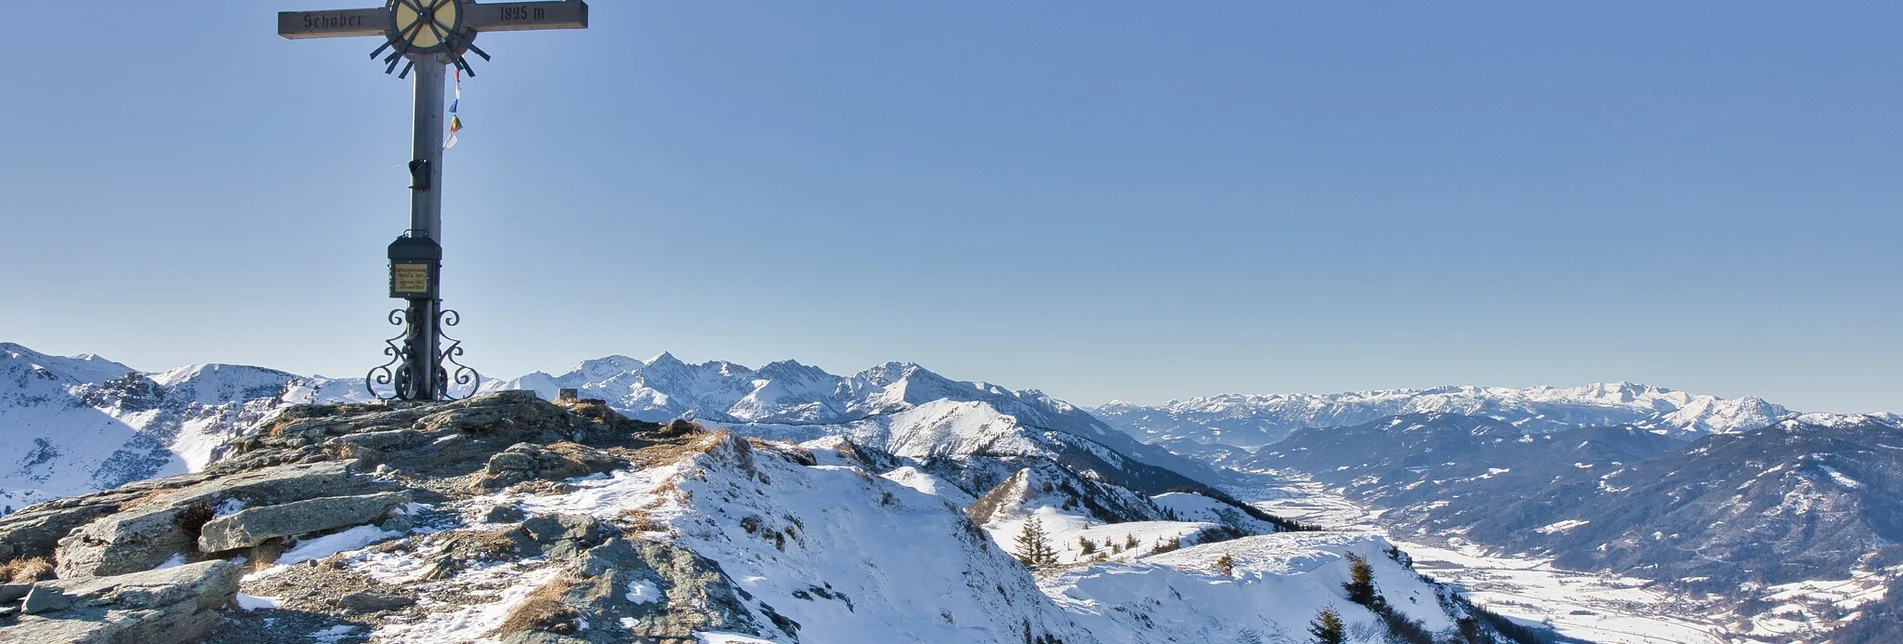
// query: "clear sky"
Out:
[1136,200]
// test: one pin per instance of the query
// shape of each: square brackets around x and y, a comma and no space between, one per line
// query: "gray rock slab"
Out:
[145,533]
[563,535]
[251,527]
[374,602]
[156,606]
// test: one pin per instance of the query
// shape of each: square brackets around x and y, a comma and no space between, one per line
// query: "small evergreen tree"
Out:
[1034,545]
[1360,584]
[1086,545]
[1129,541]
[1226,565]
[1327,627]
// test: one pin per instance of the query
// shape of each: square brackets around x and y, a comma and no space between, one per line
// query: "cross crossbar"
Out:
[483,18]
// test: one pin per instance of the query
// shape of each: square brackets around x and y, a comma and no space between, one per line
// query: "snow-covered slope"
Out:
[1274,588]
[818,542]
[899,407]
[1250,421]
[84,423]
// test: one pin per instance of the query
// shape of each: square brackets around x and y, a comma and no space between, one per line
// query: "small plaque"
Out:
[411,278]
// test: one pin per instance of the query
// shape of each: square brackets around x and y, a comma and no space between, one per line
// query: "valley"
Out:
[1592,607]
[1595,607]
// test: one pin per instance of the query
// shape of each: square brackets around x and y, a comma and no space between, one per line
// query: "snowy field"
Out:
[1597,608]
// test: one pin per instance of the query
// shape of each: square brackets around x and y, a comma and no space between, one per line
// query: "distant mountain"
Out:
[1794,525]
[85,423]
[1251,421]
[898,407]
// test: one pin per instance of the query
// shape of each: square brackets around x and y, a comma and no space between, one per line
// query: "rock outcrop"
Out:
[160,561]
[249,528]
[177,604]
[148,531]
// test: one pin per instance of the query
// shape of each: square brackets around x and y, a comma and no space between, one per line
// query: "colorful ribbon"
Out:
[455,122]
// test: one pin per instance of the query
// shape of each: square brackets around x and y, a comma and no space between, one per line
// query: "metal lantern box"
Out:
[416,264]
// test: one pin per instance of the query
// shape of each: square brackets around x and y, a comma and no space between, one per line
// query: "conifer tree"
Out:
[1226,565]
[1327,627]
[1034,545]
[1360,584]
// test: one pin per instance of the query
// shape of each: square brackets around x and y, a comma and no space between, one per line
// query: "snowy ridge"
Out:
[898,407]
[85,423]
[823,549]
[786,392]
[1250,421]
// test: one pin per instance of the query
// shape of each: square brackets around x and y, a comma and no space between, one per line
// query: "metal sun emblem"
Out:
[424,28]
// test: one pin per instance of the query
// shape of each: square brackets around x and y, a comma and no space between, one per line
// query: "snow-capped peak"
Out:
[1252,420]
[83,368]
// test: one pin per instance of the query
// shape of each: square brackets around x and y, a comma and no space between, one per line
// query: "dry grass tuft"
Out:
[26,571]
[639,521]
[543,610]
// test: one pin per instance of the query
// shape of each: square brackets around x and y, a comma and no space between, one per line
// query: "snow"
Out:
[249,602]
[708,637]
[83,424]
[1253,420]
[1190,506]
[917,479]
[859,534]
[642,591]
[510,584]
[330,544]
[174,562]
[1280,583]
[334,634]
[1840,478]
[1608,609]
[855,536]
[1560,526]
[228,507]
[1834,421]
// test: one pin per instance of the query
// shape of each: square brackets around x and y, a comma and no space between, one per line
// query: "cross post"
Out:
[430,35]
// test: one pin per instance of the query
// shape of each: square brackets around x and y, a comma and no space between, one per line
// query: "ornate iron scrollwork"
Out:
[395,374]
[396,379]
[463,375]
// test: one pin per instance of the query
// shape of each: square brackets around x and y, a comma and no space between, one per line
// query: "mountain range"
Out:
[883,506]
[1250,421]
[1747,504]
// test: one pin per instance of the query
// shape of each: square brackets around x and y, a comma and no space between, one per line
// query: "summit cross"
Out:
[426,36]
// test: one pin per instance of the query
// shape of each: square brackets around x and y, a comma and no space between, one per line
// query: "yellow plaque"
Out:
[412,278]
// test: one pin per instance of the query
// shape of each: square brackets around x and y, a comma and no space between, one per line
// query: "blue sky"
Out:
[1100,200]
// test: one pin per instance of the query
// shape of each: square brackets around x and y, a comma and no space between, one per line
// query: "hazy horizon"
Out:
[1138,201]
[840,370]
